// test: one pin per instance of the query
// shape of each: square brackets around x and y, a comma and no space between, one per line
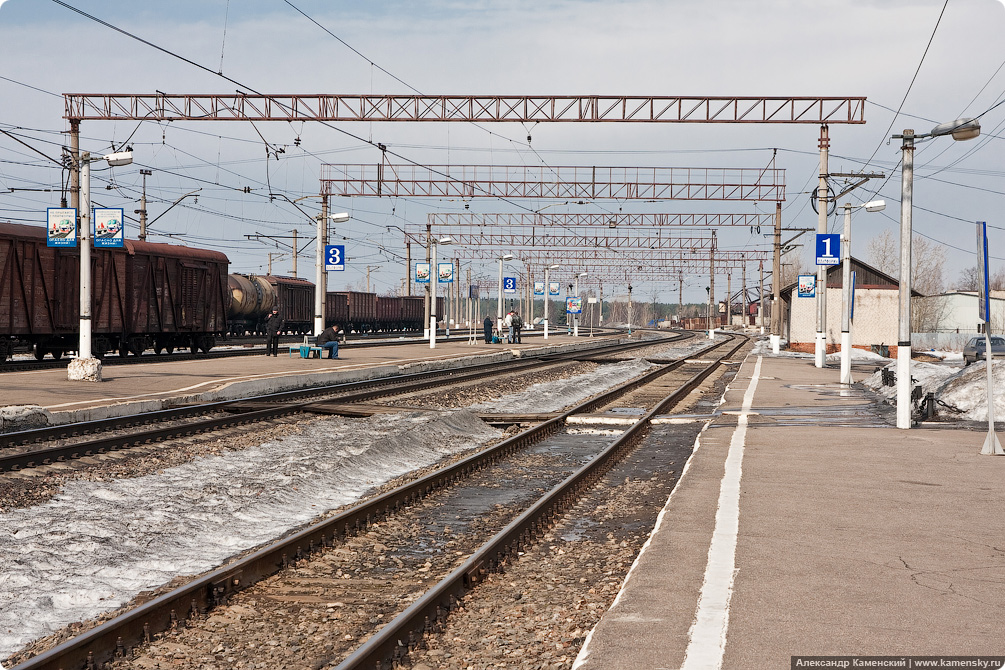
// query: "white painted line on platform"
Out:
[707,636]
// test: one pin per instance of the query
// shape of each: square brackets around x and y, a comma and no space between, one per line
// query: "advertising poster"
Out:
[474,292]
[422,273]
[573,305]
[108,229]
[539,288]
[62,227]
[445,272]
[807,286]
[553,288]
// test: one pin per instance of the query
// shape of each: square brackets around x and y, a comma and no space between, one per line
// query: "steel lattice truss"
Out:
[687,261]
[527,237]
[634,221]
[563,182]
[463,108]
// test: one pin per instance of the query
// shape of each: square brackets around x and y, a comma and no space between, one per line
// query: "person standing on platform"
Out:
[517,328]
[488,330]
[328,339]
[273,326]
[507,323]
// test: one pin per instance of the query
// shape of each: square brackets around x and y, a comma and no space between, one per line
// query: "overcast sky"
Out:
[670,47]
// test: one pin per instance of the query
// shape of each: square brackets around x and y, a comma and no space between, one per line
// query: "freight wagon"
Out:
[252,298]
[145,295]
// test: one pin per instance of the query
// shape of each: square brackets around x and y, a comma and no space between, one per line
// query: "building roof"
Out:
[866,276]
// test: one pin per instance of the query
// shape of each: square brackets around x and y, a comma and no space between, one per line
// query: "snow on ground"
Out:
[967,390]
[552,396]
[97,544]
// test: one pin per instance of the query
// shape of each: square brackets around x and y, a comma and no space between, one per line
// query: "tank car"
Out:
[252,298]
[146,295]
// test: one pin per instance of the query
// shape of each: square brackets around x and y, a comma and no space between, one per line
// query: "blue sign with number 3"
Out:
[334,257]
[509,284]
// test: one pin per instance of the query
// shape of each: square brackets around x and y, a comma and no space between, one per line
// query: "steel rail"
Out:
[286,403]
[402,633]
[112,638]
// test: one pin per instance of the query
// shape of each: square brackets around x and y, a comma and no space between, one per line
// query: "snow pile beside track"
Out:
[554,395]
[98,544]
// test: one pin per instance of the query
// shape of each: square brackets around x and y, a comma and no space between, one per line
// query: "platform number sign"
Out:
[334,257]
[828,248]
[509,284]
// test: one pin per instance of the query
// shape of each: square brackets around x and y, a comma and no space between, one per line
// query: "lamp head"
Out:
[119,158]
[554,267]
[875,206]
[446,239]
[960,129]
[507,257]
[582,274]
[341,217]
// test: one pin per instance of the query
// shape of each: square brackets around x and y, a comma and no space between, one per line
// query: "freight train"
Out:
[163,297]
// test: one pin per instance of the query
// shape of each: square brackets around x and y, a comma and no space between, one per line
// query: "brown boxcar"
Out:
[295,298]
[388,314]
[362,310]
[413,313]
[145,295]
[337,310]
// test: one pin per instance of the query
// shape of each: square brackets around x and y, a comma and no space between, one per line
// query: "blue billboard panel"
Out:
[422,273]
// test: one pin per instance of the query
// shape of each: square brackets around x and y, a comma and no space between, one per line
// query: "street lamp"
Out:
[575,317]
[499,307]
[434,278]
[320,276]
[961,129]
[547,296]
[85,367]
[874,206]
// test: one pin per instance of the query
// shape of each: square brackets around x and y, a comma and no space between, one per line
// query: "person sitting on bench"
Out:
[328,339]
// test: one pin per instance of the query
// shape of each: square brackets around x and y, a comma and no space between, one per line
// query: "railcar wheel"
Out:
[39,352]
[57,354]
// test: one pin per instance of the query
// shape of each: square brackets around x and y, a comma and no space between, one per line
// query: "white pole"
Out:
[846,299]
[84,350]
[575,317]
[904,324]
[820,348]
[319,276]
[499,305]
[434,279]
[547,299]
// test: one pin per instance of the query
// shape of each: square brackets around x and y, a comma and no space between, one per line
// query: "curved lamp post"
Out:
[320,276]
[575,317]
[961,129]
[874,206]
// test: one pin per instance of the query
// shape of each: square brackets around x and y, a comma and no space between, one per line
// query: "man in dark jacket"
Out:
[273,326]
[488,330]
[328,339]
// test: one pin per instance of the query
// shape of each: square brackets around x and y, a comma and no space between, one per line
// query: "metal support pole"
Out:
[729,299]
[434,279]
[295,253]
[743,297]
[408,268]
[776,283]
[319,270]
[142,211]
[846,289]
[499,302]
[547,299]
[85,256]
[575,317]
[820,347]
[760,298]
[904,321]
[432,272]
[711,289]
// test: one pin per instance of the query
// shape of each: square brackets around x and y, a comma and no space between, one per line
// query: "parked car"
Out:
[974,351]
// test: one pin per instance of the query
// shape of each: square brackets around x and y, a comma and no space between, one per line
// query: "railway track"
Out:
[557,465]
[250,347]
[102,436]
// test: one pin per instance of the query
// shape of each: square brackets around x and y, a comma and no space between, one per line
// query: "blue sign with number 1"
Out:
[828,248]
[334,257]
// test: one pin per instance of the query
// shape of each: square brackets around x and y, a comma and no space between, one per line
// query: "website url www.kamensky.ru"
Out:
[884,662]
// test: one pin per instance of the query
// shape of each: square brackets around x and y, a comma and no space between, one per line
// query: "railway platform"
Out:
[38,398]
[806,525]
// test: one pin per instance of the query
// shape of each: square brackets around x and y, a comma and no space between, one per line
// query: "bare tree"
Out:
[998,280]
[929,259]
[969,280]
[884,253]
[792,267]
